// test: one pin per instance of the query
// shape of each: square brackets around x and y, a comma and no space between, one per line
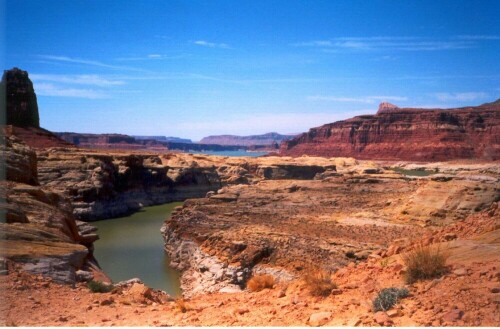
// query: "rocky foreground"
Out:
[468,295]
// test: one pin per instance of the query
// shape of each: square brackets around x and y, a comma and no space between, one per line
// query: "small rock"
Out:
[84,276]
[495,290]
[281,293]
[354,322]
[319,319]
[63,319]
[241,310]
[382,319]
[453,315]
[460,271]
[393,313]
[336,291]
[107,301]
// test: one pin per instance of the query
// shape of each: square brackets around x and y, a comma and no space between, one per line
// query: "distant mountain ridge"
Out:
[264,139]
[164,139]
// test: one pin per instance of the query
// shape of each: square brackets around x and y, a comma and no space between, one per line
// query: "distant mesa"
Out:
[268,139]
[164,139]
[412,134]
[19,98]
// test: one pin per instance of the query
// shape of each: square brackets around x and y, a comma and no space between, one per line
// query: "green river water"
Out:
[132,247]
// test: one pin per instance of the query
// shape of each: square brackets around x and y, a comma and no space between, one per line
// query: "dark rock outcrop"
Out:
[407,134]
[20,99]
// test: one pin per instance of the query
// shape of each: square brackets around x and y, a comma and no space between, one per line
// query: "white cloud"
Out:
[462,97]
[151,57]
[364,99]
[80,79]
[65,59]
[49,89]
[478,37]
[204,43]
[395,43]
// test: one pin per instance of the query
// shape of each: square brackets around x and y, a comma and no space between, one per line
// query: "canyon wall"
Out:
[407,134]
[38,229]
[111,184]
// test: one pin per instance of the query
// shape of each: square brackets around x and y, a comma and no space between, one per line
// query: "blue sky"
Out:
[197,68]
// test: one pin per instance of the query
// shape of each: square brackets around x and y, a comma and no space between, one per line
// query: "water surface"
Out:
[413,172]
[132,247]
[239,153]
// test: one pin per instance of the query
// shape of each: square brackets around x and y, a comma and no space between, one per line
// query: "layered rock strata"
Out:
[110,184]
[407,134]
[37,226]
[286,227]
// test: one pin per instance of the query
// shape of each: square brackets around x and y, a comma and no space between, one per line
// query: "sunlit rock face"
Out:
[20,98]
[407,134]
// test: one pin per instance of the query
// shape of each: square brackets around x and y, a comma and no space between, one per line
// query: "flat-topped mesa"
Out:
[21,104]
[411,134]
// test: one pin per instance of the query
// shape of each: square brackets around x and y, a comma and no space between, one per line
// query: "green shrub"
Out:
[98,286]
[424,263]
[388,297]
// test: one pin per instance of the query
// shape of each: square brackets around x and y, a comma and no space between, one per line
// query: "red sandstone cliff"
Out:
[407,134]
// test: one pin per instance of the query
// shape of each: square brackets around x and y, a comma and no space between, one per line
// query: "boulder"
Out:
[319,319]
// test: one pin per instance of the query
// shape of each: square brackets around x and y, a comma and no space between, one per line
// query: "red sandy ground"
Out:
[469,295]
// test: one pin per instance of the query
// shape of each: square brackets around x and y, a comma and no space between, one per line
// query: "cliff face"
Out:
[103,185]
[407,134]
[39,231]
[21,105]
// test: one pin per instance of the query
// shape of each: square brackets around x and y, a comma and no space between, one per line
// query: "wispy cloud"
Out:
[79,79]
[478,37]
[396,43]
[364,99]
[462,97]
[49,89]
[65,59]
[205,43]
[151,57]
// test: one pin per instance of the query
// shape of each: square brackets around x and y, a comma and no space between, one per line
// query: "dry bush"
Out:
[181,305]
[319,282]
[260,282]
[424,263]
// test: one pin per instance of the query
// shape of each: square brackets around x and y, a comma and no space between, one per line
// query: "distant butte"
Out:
[411,134]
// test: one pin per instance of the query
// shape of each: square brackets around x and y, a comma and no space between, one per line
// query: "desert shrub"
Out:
[98,286]
[424,263]
[319,282]
[181,305]
[388,297]
[260,282]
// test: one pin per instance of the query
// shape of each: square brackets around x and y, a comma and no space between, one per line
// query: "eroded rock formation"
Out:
[38,228]
[286,226]
[20,98]
[407,134]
